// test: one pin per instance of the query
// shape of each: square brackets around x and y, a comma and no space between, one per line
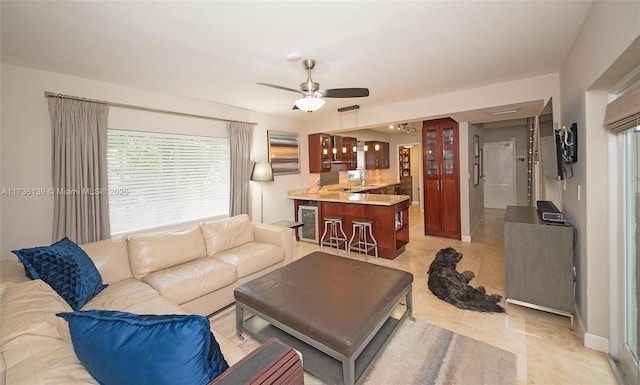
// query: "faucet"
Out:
[363,176]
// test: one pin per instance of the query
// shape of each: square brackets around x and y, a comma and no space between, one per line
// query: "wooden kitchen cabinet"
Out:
[345,156]
[377,155]
[320,153]
[441,178]
[332,153]
[352,150]
[405,187]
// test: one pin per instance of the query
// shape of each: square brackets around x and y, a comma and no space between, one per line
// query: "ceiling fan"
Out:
[312,94]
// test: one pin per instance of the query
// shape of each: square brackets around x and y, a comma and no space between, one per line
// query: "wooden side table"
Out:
[290,224]
[273,362]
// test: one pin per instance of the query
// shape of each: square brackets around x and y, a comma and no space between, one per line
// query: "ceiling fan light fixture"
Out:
[309,103]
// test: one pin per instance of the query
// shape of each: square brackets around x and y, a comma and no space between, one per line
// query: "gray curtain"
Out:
[81,201]
[240,141]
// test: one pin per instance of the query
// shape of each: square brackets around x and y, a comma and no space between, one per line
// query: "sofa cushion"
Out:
[43,361]
[252,257]
[157,251]
[28,312]
[193,279]
[121,294]
[12,272]
[122,348]
[66,268]
[111,258]
[227,233]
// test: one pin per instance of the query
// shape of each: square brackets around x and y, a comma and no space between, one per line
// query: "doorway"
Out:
[628,317]
[499,174]
[410,171]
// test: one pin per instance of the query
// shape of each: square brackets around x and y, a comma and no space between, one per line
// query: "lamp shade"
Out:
[309,103]
[262,172]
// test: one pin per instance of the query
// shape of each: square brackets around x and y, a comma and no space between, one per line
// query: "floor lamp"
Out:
[262,172]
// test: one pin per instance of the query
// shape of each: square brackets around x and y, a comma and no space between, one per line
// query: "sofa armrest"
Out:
[277,235]
[273,362]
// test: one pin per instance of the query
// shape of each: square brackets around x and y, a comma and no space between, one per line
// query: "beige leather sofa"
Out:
[180,272]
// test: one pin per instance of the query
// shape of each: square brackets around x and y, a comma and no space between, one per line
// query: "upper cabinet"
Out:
[344,150]
[332,153]
[376,155]
[319,153]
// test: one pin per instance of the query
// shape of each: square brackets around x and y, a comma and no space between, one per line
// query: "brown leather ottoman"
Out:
[337,312]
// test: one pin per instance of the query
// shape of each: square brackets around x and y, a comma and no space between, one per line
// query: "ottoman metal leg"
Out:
[239,319]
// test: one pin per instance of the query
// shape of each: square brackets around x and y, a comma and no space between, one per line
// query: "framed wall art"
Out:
[284,152]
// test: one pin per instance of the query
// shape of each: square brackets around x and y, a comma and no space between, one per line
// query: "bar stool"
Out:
[333,225]
[363,244]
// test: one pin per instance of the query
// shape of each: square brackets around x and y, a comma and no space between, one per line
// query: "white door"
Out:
[499,174]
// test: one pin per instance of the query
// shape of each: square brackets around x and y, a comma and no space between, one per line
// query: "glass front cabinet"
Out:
[441,178]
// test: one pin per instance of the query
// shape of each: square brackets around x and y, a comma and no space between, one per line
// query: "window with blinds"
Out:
[624,112]
[157,180]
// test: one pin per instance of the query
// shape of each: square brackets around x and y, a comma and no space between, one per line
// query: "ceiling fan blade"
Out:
[281,88]
[344,92]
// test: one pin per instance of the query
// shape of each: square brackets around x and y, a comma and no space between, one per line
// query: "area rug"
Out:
[418,353]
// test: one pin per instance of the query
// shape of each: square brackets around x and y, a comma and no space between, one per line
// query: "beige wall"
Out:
[592,66]
[416,170]
[476,193]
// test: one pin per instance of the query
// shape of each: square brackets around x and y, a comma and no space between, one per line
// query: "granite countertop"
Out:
[348,197]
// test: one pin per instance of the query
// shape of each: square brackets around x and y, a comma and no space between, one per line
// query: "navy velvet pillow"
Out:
[66,268]
[119,348]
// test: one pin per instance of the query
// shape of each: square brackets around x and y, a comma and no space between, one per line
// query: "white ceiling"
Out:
[219,50]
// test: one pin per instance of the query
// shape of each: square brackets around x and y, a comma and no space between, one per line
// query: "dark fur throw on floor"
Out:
[450,286]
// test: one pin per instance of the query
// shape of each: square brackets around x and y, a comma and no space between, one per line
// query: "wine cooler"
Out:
[308,215]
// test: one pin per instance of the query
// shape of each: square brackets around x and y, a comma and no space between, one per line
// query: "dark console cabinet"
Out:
[538,262]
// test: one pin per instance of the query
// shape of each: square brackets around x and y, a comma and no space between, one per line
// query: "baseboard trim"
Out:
[591,341]
[595,342]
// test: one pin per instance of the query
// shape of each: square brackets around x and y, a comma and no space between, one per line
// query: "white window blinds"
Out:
[624,112]
[157,180]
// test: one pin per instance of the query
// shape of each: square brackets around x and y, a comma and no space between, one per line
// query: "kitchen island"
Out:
[389,214]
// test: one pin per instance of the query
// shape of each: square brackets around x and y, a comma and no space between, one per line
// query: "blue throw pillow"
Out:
[119,348]
[66,268]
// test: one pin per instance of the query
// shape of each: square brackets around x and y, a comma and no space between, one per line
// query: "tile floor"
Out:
[548,351]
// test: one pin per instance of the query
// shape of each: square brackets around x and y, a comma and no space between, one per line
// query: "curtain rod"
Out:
[48,94]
